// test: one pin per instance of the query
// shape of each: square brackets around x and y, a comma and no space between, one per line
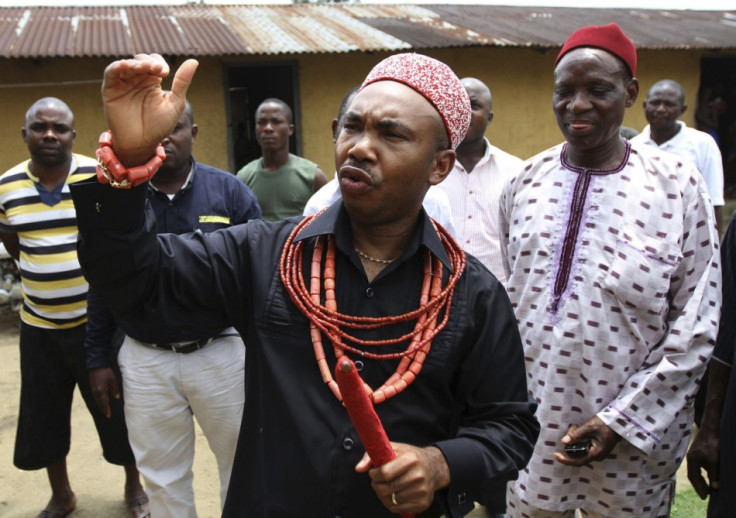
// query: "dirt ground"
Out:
[97,484]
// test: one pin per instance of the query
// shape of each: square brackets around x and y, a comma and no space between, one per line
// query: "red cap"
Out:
[607,37]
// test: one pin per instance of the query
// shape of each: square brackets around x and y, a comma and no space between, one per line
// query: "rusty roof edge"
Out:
[460,30]
[555,14]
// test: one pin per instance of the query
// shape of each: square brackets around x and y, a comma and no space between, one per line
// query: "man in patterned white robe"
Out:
[613,269]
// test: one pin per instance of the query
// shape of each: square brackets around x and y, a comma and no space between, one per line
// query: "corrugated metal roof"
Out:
[550,26]
[206,30]
[187,30]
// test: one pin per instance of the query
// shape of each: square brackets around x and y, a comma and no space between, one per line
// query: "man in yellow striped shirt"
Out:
[38,227]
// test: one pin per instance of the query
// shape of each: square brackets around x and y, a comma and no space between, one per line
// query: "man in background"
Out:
[281,181]
[664,104]
[167,385]
[474,184]
[38,228]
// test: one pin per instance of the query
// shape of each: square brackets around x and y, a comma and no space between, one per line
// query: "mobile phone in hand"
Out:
[577,449]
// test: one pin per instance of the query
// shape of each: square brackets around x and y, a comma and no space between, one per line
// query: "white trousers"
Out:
[163,390]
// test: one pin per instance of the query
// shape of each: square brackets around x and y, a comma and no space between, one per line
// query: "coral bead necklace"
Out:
[325,319]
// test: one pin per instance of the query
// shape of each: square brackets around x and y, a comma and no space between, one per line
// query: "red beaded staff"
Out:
[363,415]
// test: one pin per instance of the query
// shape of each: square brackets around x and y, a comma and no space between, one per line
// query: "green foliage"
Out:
[688,505]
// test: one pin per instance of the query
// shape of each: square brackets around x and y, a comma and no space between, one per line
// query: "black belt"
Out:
[189,347]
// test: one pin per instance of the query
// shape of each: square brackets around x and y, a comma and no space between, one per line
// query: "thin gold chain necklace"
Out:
[373,259]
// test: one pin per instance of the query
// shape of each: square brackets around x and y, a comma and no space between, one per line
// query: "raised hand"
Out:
[138,111]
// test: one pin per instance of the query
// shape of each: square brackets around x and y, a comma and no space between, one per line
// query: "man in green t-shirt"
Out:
[282,182]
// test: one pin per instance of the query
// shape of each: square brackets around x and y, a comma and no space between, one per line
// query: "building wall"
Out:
[520,81]
[207,96]
[76,82]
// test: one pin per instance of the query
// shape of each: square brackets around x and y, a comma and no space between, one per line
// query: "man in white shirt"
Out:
[475,183]
[665,102]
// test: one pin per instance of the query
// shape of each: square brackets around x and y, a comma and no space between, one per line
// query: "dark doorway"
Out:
[246,86]
[716,111]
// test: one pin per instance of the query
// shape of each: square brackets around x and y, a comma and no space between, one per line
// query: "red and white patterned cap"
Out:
[436,82]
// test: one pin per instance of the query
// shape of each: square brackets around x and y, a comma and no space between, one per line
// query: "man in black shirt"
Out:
[166,386]
[432,332]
